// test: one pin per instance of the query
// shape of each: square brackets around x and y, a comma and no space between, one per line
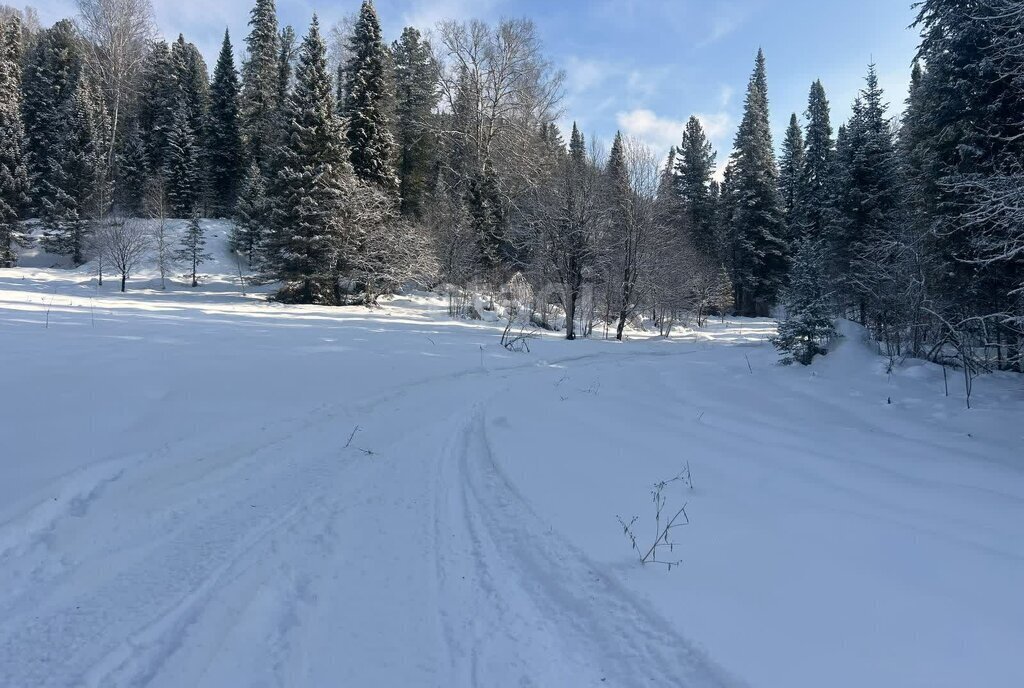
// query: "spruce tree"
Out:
[695,167]
[314,182]
[791,171]
[158,103]
[50,81]
[759,249]
[968,125]
[252,215]
[74,189]
[366,103]
[259,100]
[867,198]
[132,171]
[192,250]
[224,143]
[809,323]
[285,58]
[416,94]
[816,189]
[182,165]
[13,172]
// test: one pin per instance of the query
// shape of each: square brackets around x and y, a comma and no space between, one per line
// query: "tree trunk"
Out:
[570,315]
[124,278]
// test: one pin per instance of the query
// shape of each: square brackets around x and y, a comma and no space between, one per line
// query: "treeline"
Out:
[352,167]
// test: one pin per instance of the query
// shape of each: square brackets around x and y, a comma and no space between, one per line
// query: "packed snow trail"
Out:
[201,488]
[222,561]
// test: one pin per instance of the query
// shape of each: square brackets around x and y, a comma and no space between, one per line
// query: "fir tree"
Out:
[310,191]
[132,171]
[816,189]
[695,167]
[13,172]
[224,143]
[809,323]
[192,248]
[182,166]
[158,103]
[791,171]
[366,102]
[259,100]
[415,97]
[759,250]
[252,216]
[50,81]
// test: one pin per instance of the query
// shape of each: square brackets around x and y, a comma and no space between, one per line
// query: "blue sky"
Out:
[642,66]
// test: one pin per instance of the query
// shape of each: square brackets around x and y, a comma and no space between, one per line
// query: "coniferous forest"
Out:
[352,167]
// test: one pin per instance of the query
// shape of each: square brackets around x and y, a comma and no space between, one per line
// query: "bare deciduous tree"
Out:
[155,205]
[123,245]
[118,33]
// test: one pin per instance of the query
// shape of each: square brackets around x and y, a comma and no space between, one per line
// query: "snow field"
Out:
[183,501]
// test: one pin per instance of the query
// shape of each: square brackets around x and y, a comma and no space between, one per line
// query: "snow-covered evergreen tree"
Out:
[50,80]
[158,103]
[791,171]
[132,172]
[182,165]
[816,189]
[192,250]
[415,97]
[252,215]
[13,172]
[695,168]
[808,302]
[224,151]
[259,99]
[366,103]
[311,189]
[868,199]
[74,188]
[759,248]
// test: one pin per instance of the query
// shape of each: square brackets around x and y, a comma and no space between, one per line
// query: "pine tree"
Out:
[416,94]
[809,323]
[132,171]
[259,100]
[75,190]
[791,171]
[182,165]
[252,215]
[310,191]
[158,103]
[816,189]
[695,167]
[224,143]
[192,249]
[366,103]
[759,250]
[13,172]
[50,81]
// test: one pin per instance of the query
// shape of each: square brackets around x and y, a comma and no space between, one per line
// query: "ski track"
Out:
[607,636]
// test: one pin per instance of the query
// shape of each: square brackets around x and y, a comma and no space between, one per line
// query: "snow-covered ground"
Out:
[201,488]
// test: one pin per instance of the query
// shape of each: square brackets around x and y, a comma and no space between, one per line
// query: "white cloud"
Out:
[717,125]
[660,133]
